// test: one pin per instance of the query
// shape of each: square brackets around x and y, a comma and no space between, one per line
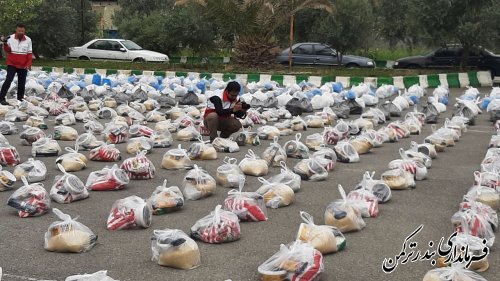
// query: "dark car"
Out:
[450,56]
[321,54]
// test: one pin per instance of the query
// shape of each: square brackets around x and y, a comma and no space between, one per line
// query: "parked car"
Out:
[115,49]
[450,56]
[321,54]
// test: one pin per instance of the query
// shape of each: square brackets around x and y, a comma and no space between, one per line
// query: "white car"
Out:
[115,49]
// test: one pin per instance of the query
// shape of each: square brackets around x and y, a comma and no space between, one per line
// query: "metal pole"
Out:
[291,43]
[83,31]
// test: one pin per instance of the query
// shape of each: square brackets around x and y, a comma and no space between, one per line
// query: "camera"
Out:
[245,105]
[4,38]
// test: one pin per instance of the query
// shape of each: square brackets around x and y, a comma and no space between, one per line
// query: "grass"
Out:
[230,68]
[392,55]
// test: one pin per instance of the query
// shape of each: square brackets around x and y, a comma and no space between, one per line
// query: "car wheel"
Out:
[139,60]
[413,66]
[351,65]
[84,58]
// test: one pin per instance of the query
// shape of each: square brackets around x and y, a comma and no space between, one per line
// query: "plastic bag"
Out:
[276,194]
[8,128]
[327,115]
[164,126]
[298,124]
[93,126]
[155,116]
[315,141]
[475,247]
[198,184]
[326,157]
[45,147]
[247,138]
[36,122]
[68,235]
[31,135]
[9,155]
[161,139]
[30,200]
[296,261]
[311,169]
[253,165]
[361,144]
[365,201]
[454,273]
[268,132]
[137,130]
[65,133]
[274,154]
[248,206]
[33,170]
[218,227]
[202,150]
[416,168]
[388,134]
[166,199]
[314,121]
[341,110]
[287,177]
[296,149]
[176,159]
[187,134]
[401,130]
[426,151]
[225,145]
[346,153]
[106,113]
[174,248]
[135,145]
[485,195]
[324,238]
[67,188]
[477,219]
[489,179]
[376,187]
[115,134]
[72,161]
[107,178]
[344,215]
[7,180]
[66,119]
[130,213]
[105,153]
[139,167]
[398,179]
[16,116]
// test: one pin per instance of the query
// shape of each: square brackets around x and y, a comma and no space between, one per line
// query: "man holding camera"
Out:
[221,106]
[19,50]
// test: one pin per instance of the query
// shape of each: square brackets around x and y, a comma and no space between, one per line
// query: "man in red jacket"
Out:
[19,50]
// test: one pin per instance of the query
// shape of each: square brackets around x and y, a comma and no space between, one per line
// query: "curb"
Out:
[452,80]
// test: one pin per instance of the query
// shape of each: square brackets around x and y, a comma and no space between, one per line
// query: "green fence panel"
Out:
[136,72]
[111,71]
[300,78]
[3,67]
[89,71]
[253,77]
[453,81]
[160,73]
[277,78]
[409,81]
[354,81]
[326,79]
[384,80]
[181,74]
[473,81]
[206,75]
[68,70]
[228,76]
[47,69]
[433,80]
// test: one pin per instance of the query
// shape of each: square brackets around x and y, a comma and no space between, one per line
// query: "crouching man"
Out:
[223,107]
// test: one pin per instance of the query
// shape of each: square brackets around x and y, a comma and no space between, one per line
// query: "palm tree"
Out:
[253,24]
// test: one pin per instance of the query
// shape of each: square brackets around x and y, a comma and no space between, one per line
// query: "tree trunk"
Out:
[464,61]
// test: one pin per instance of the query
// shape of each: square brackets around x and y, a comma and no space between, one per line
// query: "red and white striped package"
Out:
[57,109]
[366,202]
[204,131]
[401,130]
[9,156]
[137,130]
[219,226]
[105,153]
[476,219]
[139,167]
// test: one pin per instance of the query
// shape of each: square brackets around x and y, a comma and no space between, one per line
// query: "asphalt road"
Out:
[127,254]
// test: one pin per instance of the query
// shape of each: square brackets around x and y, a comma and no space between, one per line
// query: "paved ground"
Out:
[126,254]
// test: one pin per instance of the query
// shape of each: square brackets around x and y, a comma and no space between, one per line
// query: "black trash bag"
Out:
[189,99]
[341,110]
[306,105]
[354,107]
[385,109]
[166,101]
[431,113]
[65,93]
[140,95]
[294,106]
[86,94]
[122,98]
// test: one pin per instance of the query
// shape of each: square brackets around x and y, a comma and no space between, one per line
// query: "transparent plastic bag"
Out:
[489,179]
[314,121]
[36,122]
[361,144]
[72,161]
[107,178]
[401,129]
[346,153]
[166,199]
[268,132]
[114,133]
[311,169]
[105,153]
[8,128]
[276,195]
[130,213]
[326,158]
[187,134]
[417,169]
[174,248]
[298,124]
[477,219]
[106,113]
[296,261]
[67,188]
[248,206]
[474,246]
[137,144]
[16,116]
[66,119]
[198,184]
[139,167]
[296,149]
[30,200]
[137,130]
[219,226]
[324,238]
[45,147]
[247,138]
[30,135]
[366,202]
[253,165]
[344,215]
[33,170]
[202,150]
[65,133]
[176,159]
[315,141]
[398,179]
[9,155]
[167,125]
[7,180]
[485,195]
[388,134]
[225,145]
[93,126]
[161,139]
[68,235]
[423,153]
[274,154]
[155,116]
[327,115]
[377,187]
[229,174]
[287,177]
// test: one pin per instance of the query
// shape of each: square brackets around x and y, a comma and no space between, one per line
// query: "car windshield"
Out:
[131,45]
